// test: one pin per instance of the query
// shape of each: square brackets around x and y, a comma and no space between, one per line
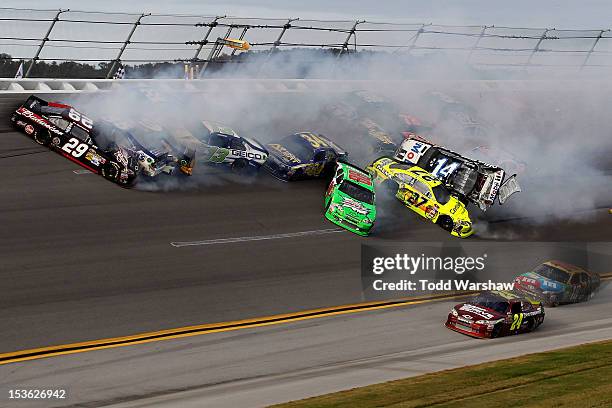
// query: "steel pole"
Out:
[204,41]
[111,71]
[44,41]
[348,37]
[482,33]
[586,59]
[537,46]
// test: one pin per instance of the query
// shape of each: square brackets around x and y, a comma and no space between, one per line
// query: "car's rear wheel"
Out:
[496,330]
[445,222]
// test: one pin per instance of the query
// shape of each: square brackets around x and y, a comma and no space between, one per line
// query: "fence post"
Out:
[420,31]
[282,33]
[215,51]
[44,41]
[482,33]
[537,46]
[586,59]
[204,41]
[348,37]
[111,70]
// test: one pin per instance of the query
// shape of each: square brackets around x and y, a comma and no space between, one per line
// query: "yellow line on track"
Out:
[198,330]
[72,348]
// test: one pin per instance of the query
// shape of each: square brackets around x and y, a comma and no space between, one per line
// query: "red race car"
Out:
[494,314]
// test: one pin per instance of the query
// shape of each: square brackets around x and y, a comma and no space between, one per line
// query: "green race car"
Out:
[350,199]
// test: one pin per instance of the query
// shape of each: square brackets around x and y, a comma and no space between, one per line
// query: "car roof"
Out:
[434,182]
[564,266]
[356,175]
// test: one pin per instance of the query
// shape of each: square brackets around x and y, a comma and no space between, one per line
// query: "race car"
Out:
[472,180]
[100,147]
[424,194]
[350,199]
[303,155]
[373,118]
[555,282]
[495,314]
[217,144]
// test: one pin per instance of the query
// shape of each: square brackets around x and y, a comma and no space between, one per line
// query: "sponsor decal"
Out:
[467,317]
[354,205]
[249,155]
[497,179]
[476,310]
[414,149]
[431,211]
[94,157]
[287,155]
[29,129]
[359,177]
[38,120]
[21,123]
[55,141]
[121,157]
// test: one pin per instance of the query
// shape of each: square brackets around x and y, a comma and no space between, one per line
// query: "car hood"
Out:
[535,282]
[472,312]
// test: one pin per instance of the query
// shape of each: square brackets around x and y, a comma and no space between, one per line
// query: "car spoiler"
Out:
[508,188]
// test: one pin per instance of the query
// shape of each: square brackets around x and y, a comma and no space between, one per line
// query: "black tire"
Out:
[110,171]
[531,325]
[240,166]
[42,137]
[496,330]
[445,222]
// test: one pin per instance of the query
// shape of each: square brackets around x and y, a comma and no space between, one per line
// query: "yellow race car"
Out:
[424,194]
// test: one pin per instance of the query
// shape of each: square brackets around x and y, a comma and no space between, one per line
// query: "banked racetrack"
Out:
[84,260]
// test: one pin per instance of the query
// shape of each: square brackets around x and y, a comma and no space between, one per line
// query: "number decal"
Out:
[75,147]
[217,154]
[444,171]
[314,140]
[82,119]
[314,169]
[517,321]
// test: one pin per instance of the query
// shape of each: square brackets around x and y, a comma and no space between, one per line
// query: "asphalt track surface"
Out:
[83,259]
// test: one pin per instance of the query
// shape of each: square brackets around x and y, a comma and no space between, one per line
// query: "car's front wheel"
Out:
[42,137]
[240,166]
[445,222]
[110,171]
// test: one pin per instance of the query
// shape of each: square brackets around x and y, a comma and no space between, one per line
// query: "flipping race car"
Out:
[555,283]
[473,181]
[350,199]
[424,194]
[218,144]
[100,147]
[495,314]
[303,155]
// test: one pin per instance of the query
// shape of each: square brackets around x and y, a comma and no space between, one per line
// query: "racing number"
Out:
[314,169]
[75,147]
[82,119]
[414,199]
[217,154]
[315,140]
[517,321]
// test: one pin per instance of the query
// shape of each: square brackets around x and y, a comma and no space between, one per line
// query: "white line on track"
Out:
[82,171]
[256,238]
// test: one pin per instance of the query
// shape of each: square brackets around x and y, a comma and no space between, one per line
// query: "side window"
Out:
[319,156]
[60,123]
[79,133]
[575,280]
[236,143]
[422,188]
[218,140]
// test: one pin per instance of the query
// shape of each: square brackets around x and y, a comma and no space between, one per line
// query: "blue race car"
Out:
[303,155]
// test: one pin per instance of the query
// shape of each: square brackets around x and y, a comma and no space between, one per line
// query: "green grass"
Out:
[573,377]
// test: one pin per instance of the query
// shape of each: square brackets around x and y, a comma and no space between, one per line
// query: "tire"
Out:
[496,330]
[42,137]
[240,166]
[110,171]
[531,325]
[445,222]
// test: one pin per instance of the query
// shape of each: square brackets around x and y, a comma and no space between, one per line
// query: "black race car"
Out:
[472,180]
[303,155]
[100,146]
[496,313]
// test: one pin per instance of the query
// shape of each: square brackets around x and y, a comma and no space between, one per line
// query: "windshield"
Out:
[298,147]
[552,273]
[491,301]
[442,194]
[357,192]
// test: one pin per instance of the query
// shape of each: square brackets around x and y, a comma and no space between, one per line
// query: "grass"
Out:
[573,377]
